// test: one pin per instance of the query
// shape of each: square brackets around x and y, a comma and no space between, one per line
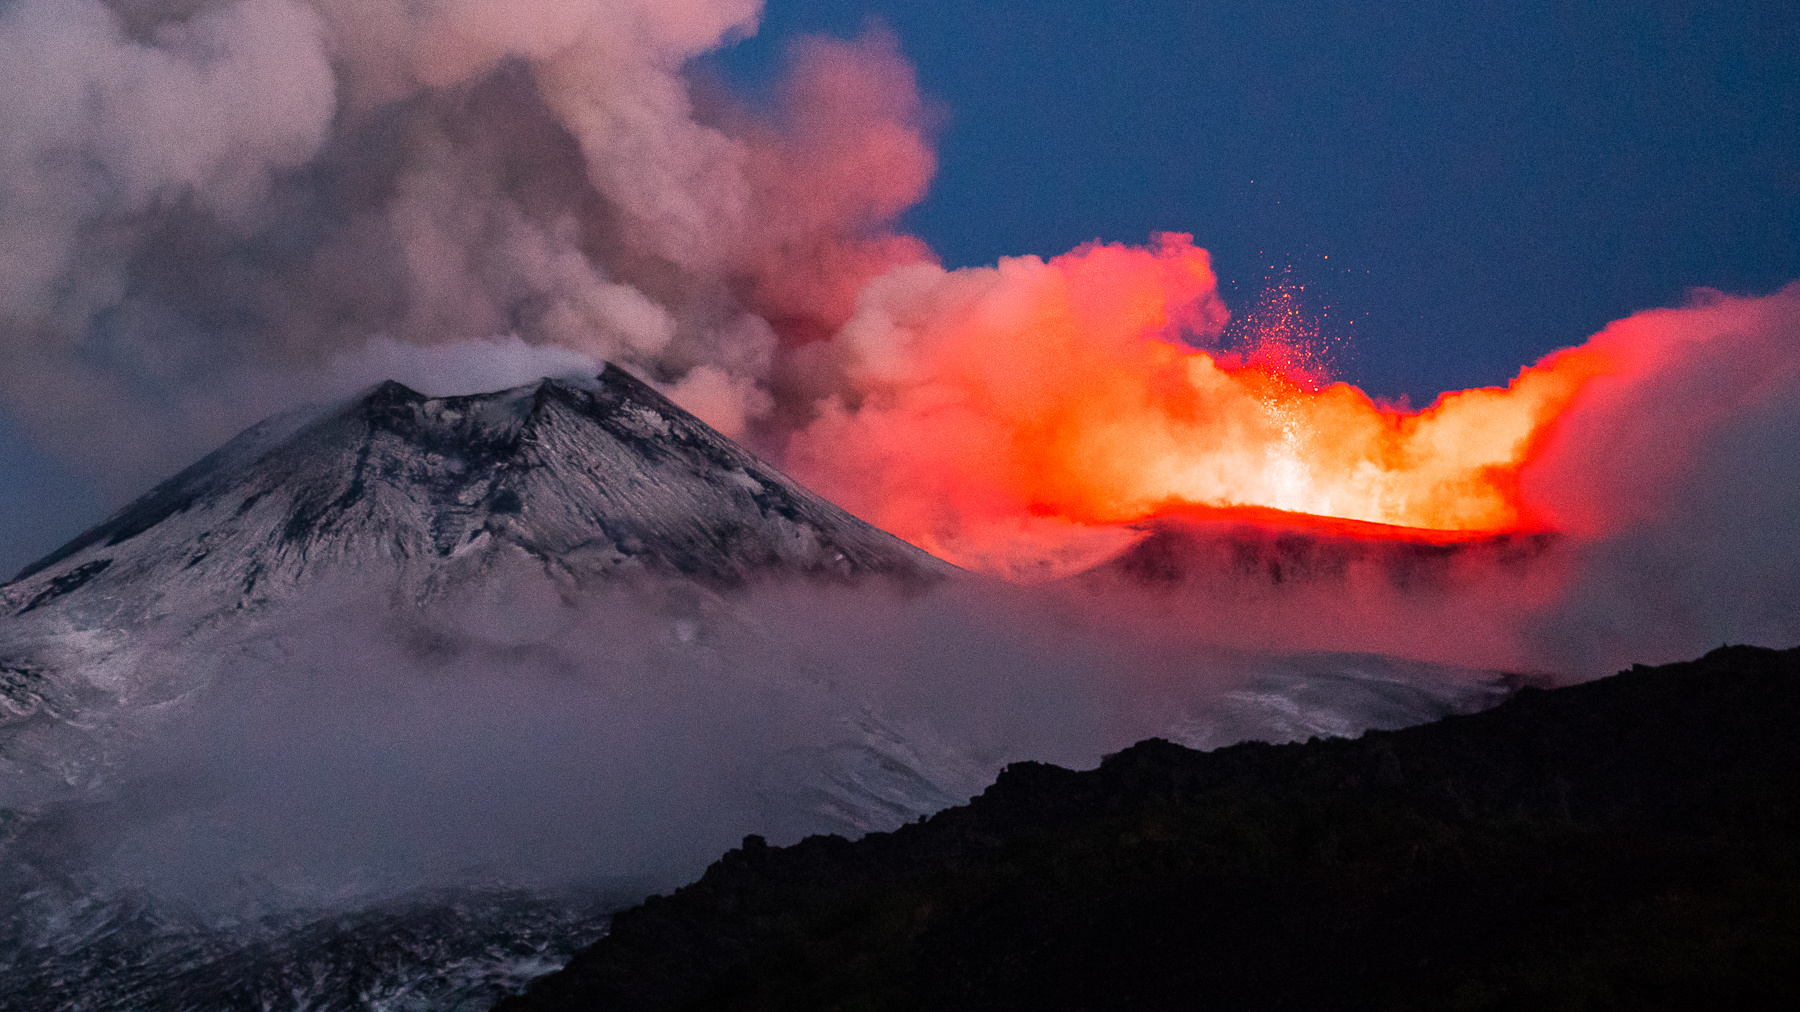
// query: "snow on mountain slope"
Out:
[575,482]
[412,643]
[588,479]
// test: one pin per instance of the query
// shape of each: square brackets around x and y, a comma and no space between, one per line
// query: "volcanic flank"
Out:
[310,676]
[405,499]
[585,480]
[589,478]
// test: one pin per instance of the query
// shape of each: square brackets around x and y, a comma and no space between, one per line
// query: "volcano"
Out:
[580,482]
[590,479]
[406,579]
[362,657]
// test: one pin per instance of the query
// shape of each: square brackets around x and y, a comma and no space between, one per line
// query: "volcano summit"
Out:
[590,478]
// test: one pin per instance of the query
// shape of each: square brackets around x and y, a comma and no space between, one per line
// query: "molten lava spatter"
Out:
[1091,390]
[1254,437]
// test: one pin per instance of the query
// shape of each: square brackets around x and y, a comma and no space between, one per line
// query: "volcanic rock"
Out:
[1274,547]
[1626,843]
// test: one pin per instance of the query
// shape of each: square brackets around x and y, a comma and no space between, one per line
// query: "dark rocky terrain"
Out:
[1632,842]
[1180,548]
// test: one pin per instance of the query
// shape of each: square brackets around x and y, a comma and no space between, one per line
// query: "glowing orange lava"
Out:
[1254,437]
[1075,393]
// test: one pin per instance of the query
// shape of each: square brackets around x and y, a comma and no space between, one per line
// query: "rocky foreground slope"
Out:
[1628,843]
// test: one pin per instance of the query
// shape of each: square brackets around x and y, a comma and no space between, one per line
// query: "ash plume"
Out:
[204,204]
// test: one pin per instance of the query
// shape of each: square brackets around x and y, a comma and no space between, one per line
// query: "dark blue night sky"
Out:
[1460,187]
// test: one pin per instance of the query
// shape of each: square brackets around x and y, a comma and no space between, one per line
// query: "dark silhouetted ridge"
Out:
[1632,842]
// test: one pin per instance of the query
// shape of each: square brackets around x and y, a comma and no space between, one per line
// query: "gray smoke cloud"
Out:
[1678,479]
[213,209]
[512,733]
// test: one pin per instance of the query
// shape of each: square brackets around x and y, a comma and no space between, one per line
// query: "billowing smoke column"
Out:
[208,205]
[212,208]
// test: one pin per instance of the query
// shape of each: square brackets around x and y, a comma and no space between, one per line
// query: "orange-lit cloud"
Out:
[996,412]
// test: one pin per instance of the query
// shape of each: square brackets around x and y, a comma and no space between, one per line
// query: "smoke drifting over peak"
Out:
[205,203]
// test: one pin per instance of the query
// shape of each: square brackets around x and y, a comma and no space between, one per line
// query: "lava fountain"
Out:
[1005,412]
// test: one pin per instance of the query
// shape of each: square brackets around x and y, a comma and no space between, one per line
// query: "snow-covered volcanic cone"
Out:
[203,697]
[584,479]
[421,499]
